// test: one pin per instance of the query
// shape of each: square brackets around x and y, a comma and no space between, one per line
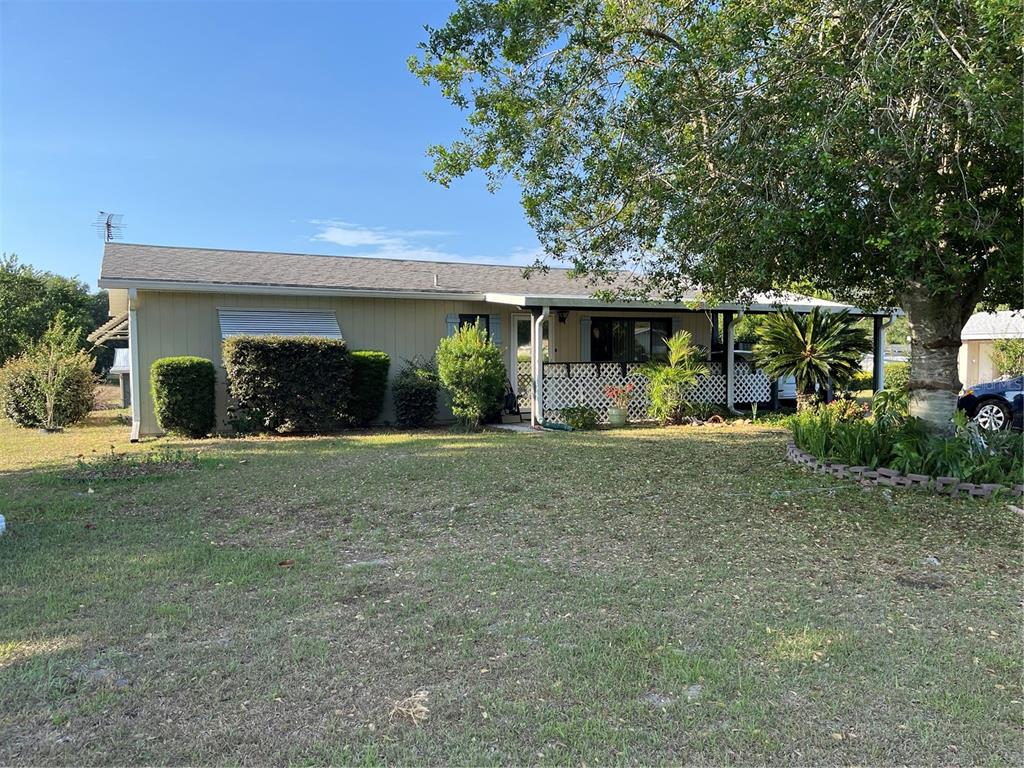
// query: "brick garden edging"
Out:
[950,486]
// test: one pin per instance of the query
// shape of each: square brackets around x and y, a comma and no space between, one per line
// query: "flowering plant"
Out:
[620,396]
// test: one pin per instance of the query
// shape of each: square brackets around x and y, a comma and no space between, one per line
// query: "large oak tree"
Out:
[869,149]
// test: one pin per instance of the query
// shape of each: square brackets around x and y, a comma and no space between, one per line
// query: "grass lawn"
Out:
[640,596]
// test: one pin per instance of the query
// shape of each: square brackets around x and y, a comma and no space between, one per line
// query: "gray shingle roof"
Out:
[157,263]
[1005,324]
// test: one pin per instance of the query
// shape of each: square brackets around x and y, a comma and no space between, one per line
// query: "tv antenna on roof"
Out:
[109,226]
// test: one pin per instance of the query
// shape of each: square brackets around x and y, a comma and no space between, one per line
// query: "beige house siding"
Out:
[118,300]
[172,323]
[976,366]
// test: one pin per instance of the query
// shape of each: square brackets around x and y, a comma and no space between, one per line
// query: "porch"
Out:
[558,356]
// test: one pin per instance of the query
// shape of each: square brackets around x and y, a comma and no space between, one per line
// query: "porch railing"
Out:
[582,383]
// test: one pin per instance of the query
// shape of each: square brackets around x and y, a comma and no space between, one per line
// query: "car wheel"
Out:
[992,415]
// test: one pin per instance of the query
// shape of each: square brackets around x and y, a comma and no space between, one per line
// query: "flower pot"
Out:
[617,416]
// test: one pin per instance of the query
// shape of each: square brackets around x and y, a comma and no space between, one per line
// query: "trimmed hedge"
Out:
[184,395]
[369,383]
[291,383]
[414,392]
[22,399]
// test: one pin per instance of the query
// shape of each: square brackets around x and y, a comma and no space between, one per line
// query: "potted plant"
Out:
[618,411]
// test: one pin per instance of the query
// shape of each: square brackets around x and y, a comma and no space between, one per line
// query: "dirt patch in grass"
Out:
[124,466]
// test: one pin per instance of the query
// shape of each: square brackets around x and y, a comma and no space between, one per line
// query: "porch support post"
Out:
[135,372]
[714,331]
[878,339]
[537,361]
[729,327]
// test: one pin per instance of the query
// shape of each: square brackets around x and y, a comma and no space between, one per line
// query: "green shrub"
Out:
[295,384]
[1008,357]
[897,377]
[184,395]
[51,384]
[369,384]
[673,380]
[472,373]
[414,392]
[580,417]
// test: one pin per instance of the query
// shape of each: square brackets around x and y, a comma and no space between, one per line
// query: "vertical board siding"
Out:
[180,323]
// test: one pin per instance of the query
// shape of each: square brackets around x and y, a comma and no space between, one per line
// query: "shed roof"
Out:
[1007,324]
[158,267]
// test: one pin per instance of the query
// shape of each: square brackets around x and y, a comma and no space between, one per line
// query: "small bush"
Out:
[369,383]
[580,417]
[414,391]
[184,395]
[897,377]
[1008,357]
[472,372]
[295,384]
[51,384]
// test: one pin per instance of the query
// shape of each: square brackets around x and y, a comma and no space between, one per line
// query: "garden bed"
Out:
[950,486]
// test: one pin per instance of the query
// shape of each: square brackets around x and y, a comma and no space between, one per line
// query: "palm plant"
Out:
[812,348]
[672,381]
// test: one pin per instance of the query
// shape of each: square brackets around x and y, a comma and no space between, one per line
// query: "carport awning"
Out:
[115,329]
[278,322]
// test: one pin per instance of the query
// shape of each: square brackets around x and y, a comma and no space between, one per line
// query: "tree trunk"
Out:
[935,325]
[805,397]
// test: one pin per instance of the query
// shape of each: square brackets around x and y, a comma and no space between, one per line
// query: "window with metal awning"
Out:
[278,322]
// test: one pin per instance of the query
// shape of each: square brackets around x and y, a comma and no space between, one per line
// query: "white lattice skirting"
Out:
[571,384]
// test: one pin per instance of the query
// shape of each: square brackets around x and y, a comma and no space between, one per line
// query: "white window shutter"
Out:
[453,324]
[494,323]
[585,339]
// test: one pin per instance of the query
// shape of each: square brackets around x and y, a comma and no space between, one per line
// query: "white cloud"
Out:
[411,244]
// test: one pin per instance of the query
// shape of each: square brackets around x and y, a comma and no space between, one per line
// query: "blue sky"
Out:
[291,126]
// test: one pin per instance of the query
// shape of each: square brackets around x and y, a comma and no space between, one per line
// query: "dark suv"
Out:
[996,405]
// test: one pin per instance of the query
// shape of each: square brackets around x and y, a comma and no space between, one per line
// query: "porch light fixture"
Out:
[563,315]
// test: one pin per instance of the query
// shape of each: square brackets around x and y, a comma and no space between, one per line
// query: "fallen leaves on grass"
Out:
[414,707]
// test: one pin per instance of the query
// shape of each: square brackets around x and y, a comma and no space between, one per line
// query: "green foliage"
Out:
[887,436]
[580,417]
[414,392]
[472,373]
[184,395]
[30,300]
[294,384]
[50,384]
[812,348]
[671,382]
[369,384]
[897,376]
[1008,357]
[871,151]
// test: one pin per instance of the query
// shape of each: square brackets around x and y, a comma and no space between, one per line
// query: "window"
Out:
[628,340]
[484,320]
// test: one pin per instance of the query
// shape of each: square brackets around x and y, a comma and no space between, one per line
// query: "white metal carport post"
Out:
[134,374]
[730,360]
[537,362]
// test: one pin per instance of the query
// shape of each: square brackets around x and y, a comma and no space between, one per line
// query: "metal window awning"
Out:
[278,322]
[122,361]
[115,329]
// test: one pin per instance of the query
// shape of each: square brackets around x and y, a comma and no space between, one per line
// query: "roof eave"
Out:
[282,290]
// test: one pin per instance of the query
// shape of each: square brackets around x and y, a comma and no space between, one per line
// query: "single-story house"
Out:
[561,344]
[977,342]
